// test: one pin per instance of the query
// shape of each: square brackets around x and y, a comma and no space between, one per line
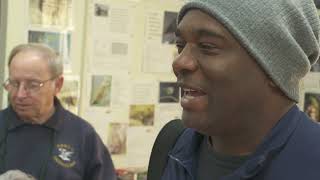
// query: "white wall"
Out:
[3,20]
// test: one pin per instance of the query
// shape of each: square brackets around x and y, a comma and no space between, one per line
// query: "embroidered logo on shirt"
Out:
[65,156]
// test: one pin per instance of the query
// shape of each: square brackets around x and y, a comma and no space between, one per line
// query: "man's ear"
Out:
[58,84]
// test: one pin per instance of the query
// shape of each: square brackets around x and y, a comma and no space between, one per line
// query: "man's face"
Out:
[27,67]
[222,84]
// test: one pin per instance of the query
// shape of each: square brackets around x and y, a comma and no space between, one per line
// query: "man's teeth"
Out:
[188,91]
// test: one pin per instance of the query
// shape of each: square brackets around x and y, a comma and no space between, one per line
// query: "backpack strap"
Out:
[164,142]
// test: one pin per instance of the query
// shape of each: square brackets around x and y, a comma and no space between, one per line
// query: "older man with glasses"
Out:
[37,135]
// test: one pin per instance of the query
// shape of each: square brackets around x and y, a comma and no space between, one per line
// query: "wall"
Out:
[3,25]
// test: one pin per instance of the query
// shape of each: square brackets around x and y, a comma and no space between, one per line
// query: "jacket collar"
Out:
[272,144]
[186,149]
[54,121]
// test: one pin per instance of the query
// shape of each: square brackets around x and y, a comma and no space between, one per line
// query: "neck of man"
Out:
[40,118]
[254,128]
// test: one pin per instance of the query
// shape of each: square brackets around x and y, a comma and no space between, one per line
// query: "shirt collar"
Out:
[271,145]
[54,121]
[186,148]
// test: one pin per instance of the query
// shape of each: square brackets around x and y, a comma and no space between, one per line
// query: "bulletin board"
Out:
[130,91]
[124,85]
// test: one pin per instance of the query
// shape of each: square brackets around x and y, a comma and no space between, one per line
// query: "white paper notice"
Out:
[140,142]
[166,113]
[144,92]
[120,99]
[157,56]
[153,25]
[120,20]
[110,37]
[312,80]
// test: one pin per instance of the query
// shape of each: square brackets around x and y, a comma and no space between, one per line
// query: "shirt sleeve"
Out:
[100,165]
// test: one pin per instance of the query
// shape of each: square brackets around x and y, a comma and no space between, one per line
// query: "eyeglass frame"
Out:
[26,88]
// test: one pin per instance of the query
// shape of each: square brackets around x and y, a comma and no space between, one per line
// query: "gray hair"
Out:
[16,175]
[45,52]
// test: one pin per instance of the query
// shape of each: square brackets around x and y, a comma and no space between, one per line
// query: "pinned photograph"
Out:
[117,138]
[101,90]
[169,27]
[69,95]
[60,42]
[141,115]
[312,105]
[50,12]
[101,10]
[52,39]
[169,92]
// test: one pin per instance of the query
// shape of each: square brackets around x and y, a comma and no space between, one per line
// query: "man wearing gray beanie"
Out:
[239,67]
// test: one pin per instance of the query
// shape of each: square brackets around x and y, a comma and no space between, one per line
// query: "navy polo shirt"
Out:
[65,147]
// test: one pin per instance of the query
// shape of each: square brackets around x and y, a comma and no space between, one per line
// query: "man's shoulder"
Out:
[69,118]
[4,110]
[76,122]
[3,114]
[305,139]
[300,155]
[307,128]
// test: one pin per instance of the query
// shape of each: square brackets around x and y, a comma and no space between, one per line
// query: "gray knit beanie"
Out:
[281,35]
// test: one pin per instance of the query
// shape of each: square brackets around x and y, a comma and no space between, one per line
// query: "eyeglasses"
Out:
[31,86]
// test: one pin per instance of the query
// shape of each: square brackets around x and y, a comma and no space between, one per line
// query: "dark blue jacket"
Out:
[291,151]
[66,147]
